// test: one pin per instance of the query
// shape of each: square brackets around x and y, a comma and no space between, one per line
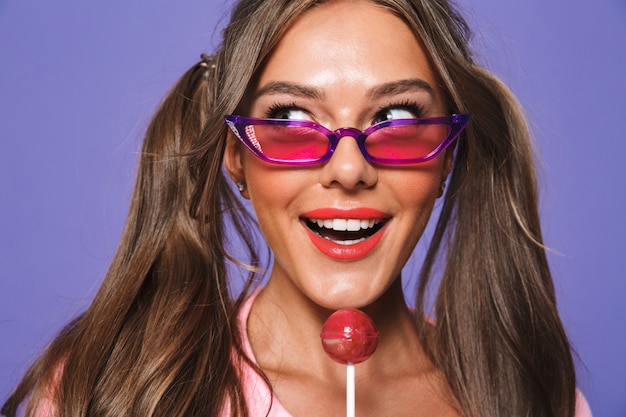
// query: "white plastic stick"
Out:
[350,391]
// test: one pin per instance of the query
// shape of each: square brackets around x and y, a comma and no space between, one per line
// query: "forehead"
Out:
[347,42]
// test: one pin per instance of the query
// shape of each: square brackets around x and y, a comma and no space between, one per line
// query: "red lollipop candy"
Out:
[349,336]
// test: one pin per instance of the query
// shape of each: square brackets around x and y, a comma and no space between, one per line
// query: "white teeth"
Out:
[348,242]
[342,225]
[353,225]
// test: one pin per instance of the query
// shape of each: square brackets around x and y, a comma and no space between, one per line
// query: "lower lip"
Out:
[340,252]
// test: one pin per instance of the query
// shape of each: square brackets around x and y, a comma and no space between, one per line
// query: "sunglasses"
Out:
[390,142]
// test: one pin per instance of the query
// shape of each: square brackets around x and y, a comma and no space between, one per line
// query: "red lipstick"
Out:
[363,213]
[338,250]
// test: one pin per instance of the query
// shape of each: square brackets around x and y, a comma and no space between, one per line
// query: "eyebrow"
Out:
[383,90]
[401,86]
[283,87]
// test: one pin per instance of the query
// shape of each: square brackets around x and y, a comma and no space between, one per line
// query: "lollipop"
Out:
[349,337]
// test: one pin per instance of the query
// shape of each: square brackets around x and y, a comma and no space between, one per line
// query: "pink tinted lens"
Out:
[288,142]
[407,141]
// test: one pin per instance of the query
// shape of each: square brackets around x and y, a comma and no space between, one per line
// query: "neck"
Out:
[284,332]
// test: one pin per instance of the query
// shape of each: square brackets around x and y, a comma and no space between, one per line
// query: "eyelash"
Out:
[414,107]
[276,108]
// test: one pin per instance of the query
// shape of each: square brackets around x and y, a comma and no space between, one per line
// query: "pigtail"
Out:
[158,338]
[161,336]
[499,338]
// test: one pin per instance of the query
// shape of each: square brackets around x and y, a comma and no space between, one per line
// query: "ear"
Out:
[233,162]
[448,160]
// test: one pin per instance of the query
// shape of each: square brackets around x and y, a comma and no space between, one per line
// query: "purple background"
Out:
[79,81]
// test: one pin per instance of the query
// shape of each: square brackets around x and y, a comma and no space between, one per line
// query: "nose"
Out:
[347,167]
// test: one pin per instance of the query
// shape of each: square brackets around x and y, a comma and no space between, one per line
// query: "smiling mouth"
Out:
[345,231]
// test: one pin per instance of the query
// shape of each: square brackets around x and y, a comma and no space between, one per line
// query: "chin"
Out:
[347,296]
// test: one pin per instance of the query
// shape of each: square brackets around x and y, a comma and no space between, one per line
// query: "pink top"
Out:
[257,393]
[259,397]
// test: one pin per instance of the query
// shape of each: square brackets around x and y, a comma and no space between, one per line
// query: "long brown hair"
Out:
[161,339]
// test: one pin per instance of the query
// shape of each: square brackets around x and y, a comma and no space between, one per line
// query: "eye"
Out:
[288,113]
[392,114]
[405,110]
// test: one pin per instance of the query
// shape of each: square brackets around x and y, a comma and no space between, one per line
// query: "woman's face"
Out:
[342,64]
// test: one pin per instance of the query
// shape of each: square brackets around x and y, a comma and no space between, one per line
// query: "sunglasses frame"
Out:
[455,122]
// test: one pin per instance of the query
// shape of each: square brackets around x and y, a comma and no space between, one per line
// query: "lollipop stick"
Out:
[350,390]
[349,337]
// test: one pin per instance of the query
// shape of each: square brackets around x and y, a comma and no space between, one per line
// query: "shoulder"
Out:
[258,394]
[582,407]
[42,399]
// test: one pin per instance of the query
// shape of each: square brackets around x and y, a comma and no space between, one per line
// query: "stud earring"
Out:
[442,188]
[241,186]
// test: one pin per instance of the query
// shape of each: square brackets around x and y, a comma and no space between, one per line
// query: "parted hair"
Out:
[161,338]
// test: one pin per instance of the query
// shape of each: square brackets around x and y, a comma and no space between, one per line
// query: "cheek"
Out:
[263,189]
[419,203]
[273,190]
[423,190]
[269,205]
[422,184]
[262,179]
[417,193]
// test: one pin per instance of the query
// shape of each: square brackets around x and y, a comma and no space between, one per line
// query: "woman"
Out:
[162,336]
